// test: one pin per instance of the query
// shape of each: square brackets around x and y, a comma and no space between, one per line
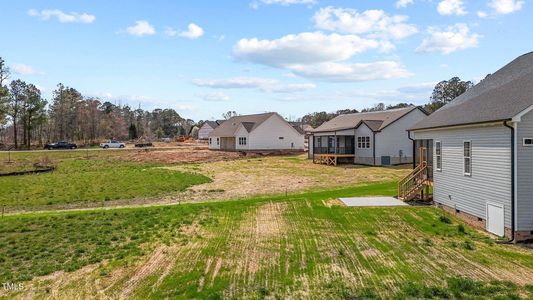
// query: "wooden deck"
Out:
[330,159]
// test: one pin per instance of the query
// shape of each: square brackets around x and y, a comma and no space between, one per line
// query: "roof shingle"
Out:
[499,97]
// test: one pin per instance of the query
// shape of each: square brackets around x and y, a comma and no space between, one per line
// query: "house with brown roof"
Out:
[477,153]
[371,138]
[267,131]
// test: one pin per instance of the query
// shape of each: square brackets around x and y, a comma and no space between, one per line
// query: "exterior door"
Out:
[495,219]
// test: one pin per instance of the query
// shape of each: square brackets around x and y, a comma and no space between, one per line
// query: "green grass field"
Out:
[78,181]
[301,246]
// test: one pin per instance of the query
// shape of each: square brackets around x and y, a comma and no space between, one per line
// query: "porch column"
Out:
[336,143]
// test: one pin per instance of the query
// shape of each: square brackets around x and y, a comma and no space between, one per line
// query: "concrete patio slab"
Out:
[372,201]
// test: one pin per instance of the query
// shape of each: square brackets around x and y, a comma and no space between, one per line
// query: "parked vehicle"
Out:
[60,145]
[112,144]
[143,145]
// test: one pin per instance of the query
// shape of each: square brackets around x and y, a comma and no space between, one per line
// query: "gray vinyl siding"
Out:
[394,138]
[491,169]
[524,175]
[364,156]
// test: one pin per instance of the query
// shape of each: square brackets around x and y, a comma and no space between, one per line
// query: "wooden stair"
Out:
[414,183]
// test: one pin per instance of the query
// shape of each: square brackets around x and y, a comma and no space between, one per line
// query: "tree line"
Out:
[443,93]
[26,118]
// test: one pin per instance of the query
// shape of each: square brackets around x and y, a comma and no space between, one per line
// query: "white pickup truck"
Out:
[112,144]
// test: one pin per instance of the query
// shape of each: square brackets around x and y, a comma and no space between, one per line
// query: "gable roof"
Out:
[212,124]
[376,120]
[250,122]
[499,97]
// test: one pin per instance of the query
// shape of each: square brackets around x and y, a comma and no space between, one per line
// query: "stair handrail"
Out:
[408,184]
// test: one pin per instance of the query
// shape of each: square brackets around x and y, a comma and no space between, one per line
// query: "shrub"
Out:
[445,219]
[461,229]
[469,245]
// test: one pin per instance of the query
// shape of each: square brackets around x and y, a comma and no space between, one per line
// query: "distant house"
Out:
[205,130]
[373,138]
[477,152]
[267,131]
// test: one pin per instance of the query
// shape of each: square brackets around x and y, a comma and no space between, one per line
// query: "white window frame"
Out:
[218,141]
[210,141]
[363,142]
[438,155]
[524,142]
[468,174]
[242,141]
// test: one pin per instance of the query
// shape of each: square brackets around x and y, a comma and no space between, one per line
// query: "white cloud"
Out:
[193,32]
[255,4]
[453,38]
[506,6]
[403,3]
[320,56]
[141,28]
[353,72]
[234,83]
[61,16]
[169,31]
[451,7]
[303,48]
[373,23]
[23,69]
[214,96]
[290,88]
[262,84]
[482,14]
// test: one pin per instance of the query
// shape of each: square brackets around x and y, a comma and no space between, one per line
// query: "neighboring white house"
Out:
[267,131]
[370,138]
[481,151]
[207,128]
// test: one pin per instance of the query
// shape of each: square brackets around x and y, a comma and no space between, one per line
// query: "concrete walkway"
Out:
[372,201]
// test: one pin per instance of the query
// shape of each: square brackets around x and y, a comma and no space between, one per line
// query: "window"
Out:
[281,138]
[467,158]
[528,142]
[363,142]
[218,141]
[210,141]
[438,155]
[242,141]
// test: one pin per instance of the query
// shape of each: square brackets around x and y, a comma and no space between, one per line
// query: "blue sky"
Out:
[203,58]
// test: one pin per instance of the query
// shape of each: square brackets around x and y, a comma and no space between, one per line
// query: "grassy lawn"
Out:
[278,174]
[304,245]
[78,181]
[134,177]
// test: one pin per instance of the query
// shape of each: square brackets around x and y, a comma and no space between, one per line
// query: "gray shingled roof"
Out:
[376,120]
[230,126]
[499,97]
[212,124]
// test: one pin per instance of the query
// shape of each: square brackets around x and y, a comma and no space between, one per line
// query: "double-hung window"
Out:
[467,158]
[242,140]
[363,142]
[438,155]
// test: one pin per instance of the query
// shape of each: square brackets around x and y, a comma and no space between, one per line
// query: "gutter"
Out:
[374,146]
[414,149]
[513,184]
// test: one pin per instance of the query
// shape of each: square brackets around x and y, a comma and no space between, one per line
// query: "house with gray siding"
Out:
[207,128]
[477,153]
[377,138]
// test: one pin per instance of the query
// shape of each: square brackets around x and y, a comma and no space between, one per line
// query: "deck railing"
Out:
[412,183]
[332,150]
